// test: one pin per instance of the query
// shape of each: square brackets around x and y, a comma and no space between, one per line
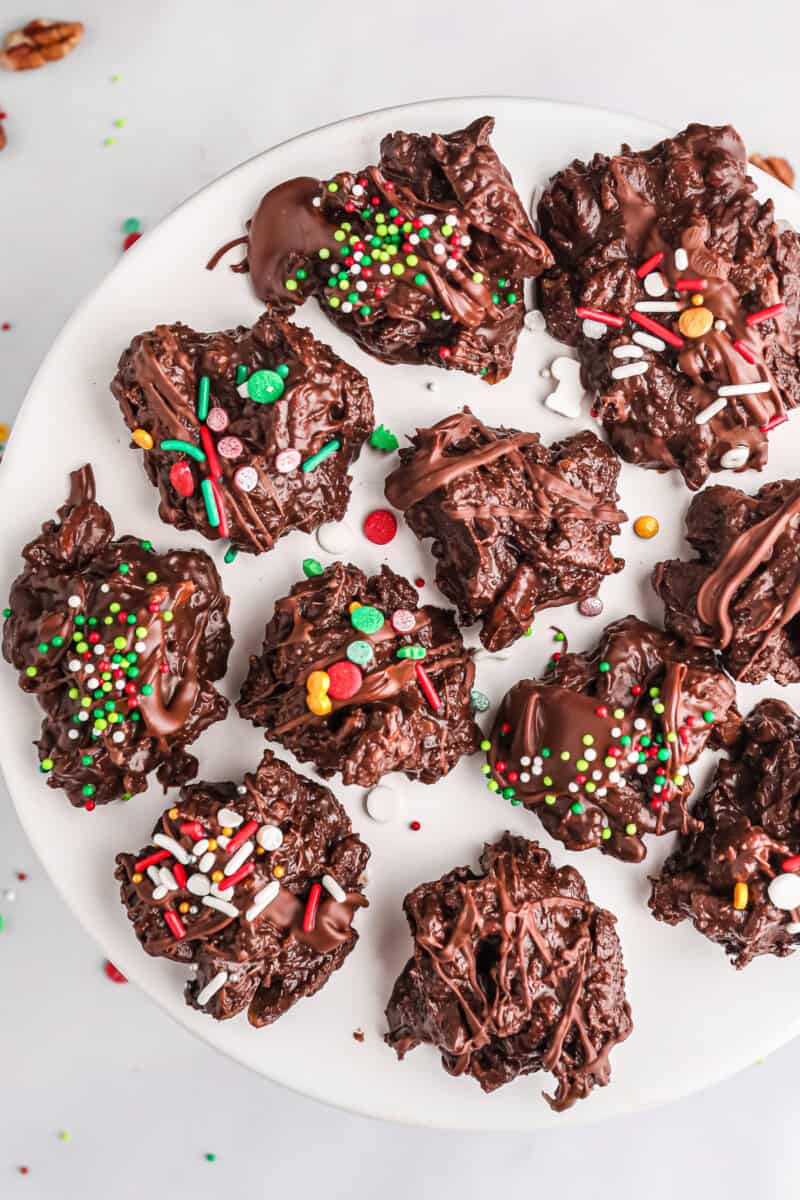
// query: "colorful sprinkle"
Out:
[344,680]
[246,479]
[327,450]
[383,439]
[287,461]
[311,567]
[380,526]
[646,527]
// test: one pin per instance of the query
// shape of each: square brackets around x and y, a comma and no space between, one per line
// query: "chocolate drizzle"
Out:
[513,971]
[120,645]
[517,527]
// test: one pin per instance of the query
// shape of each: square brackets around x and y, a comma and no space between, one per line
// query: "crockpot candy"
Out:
[681,297]
[420,259]
[742,594]
[254,885]
[513,970]
[736,875]
[247,434]
[600,747]
[355,676]
[121,646]
[516,526]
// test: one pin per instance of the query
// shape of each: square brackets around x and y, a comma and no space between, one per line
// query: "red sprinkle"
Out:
[657,328]
[231,880]
[380,526]
[601,710]
[21,875]
[312,904]
[345,680]
[181,478]
[500,765]
[691,285]
[415,825]
[192,829]
[130,239]
[207,442]
[180,875]
[176,926]
[650,264]
[90,806]
[791,864]
[636,689]
[597,314]
[113,973]
[765,314]
[444,352]
[157,857]
[419,582]
[241,836]
[224,527]
[771,424]
[6,325]
[513,776]
[744,350]
[427,688]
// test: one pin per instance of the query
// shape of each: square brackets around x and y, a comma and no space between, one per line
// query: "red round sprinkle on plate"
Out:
[113,973]
[415,825]
[345,680]
[130,239]
[380,526]
[419,582]
[21,875]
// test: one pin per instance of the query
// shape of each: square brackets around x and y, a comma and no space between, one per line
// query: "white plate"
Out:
[696,1019]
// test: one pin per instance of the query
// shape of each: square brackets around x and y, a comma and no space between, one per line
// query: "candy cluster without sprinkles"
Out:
[255,885]
[120,645]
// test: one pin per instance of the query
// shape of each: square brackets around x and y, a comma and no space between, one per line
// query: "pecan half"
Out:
[40,42]
[780,168]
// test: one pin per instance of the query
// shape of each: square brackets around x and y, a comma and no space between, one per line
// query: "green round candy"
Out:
[367,619]
[265,387]
[132,225]
[360,653]
[311,566]
[478,701]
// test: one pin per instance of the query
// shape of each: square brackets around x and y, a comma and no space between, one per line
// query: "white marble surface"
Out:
[203,86]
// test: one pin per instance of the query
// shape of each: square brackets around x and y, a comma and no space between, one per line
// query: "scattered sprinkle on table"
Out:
[383,439]
[113,973]
[380,526]
[415,825]
[646,526]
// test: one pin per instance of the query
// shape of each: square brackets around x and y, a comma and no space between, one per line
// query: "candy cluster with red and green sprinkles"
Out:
[601,746]
[421,258]
[120,644]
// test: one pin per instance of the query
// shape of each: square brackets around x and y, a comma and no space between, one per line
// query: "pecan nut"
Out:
[40,42]
[779,168]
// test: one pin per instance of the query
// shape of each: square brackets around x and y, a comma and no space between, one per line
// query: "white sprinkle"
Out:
[119,684]
[385,269]
[451,264]
[627,351]
[536,768]
[735,458]
[263,899]
[356,270]
[83,715]
[222,906]
[207,861]
[227,816]
[590,755]
[593,329]
[524,777]
[243,390]
[175,848]
[94,683]
[720,326]
[615,731]
[711,411]
[241,856]
[118,736]
[317,202]
[597,775]
[383,803]
[198,884]
[221,893]
[635,368]
[451,219]
[222,840]
[159,893]
[74,601]
[654,284]
[647,339]
[10,895]
[336,537]
[154,875]
[681,259]
[73,734]
[347,307]
[200,847]
[269,837]
[744,389]
[601,792]
[784,891]
[104,587]
[357,189]
[428,218]
[640,723]
[361,286]
[525,760]
[793,927]
[439,249]
[241,790]
[99,649]
[658,306]
[330,885]
[534,321]
[414,239]
[168,879]
[221,978]
[614,777]
[633,758]
[139,647]
[74,664]
[641,769]
[572,787]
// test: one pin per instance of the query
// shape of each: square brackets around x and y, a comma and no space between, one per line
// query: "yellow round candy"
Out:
[319,705]
[212,843]
[279,872]
[645,527]
[351,608]
[694,322]
[173,814]
[318,681]
[216,876]
[143,439]
[136,877]
[227,831]
[698,298]
[183,907]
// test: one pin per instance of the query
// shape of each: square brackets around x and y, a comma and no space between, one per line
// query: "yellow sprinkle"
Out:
[136,878]
[740,895]
[183,906]
[227,831]
[279,872]
[212,843]
[142,439]
[260,850]
[645,527]
[217,876]
[173,814]
[695,322]
[351,608]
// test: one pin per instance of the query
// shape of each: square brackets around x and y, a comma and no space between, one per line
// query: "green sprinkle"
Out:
[415,652]
[360,653]
[630,829]
[181,447]
[564,756]
[203,396]
[549,798]
[241,373]
[478,701]
[332,187]
[606,834]
[167,616]
[708,716]
[265,387]
[493,785]
[114,608]
[88,789]
[658,709]
[577,807]
[367,619]
[31,672]
[560,636]
[486,744]
[132,225]
[507,793]
[141,631]
[282,368]
[663,755]
[528,632]
[383,439]
[46,764]
[291,285]
[145,545]
[43,647]
[547,781]
[511,297]
[327,450]
[6,613]
[590,787]
[231,554]
[587,739]
[311,567]
[603,667]
[147,689]
[545,752]
[86,759]
[120,643]
[582,764]
[486,769]
[210,502]
[672,736]
[80,620]
[324,253]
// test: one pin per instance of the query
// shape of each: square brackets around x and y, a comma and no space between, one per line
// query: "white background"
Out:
[203,86]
